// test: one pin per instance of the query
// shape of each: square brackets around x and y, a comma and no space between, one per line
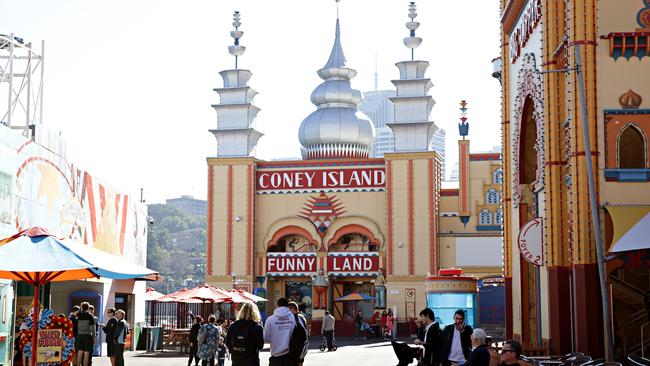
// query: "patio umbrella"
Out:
[355,296]
[40,258]
[235,297]
[205,293]
[249,296]
[151,294]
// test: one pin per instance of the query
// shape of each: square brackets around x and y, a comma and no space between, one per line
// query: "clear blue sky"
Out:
[129,83]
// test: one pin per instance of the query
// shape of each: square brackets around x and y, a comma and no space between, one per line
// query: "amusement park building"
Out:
[272,225]
[553,297]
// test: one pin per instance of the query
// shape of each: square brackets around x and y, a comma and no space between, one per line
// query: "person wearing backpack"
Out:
[208,338]
[245,337]
[278,331]
[299,341]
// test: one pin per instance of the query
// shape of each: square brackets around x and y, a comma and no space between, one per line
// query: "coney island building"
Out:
[554,301]
[337,222]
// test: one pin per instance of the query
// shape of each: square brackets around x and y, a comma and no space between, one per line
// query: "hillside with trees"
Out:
[176,247]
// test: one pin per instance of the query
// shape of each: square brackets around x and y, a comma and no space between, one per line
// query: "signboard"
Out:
[353,263]
[50,346]
[327,180]
[291,264]
[530,242]
[522,31]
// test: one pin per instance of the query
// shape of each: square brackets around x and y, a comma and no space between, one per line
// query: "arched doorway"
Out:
[528,176]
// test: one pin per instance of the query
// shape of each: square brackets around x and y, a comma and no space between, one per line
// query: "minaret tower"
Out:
[235,133]
[464,209]
[411,126]
[334,130]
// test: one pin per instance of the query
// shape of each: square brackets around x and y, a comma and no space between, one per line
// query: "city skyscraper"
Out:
[377,106]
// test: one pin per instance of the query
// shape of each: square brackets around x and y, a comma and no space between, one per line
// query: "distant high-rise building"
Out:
[377,106]
[189,205]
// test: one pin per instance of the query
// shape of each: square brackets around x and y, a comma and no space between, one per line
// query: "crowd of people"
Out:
[214,340]
[458,344]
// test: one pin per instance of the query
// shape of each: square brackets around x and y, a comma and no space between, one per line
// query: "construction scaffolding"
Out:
[21,84]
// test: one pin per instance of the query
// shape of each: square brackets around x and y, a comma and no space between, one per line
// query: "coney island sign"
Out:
[326,179]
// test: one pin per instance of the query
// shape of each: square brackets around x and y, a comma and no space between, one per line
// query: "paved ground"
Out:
[349,353]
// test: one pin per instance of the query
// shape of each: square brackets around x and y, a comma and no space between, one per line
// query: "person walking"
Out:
[194,341]
[301,320]
[277,331]
[207,339]
[109,330]
[119,337]
[480,355]
[245,337]
[433,341]
[458,339]
[327,329]
[384,315]
[390,320]
[86,334]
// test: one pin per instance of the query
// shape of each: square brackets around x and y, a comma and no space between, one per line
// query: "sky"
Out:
[128,84]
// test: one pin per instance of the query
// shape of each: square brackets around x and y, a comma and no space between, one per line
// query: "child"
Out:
[221,352]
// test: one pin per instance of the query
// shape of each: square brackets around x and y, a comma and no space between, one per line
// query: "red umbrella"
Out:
[248,295]
[152,294]
[205,293]
[235,297]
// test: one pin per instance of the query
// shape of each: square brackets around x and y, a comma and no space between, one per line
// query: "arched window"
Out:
[498,217]
[631,149]
[492,197]
[497,176]
[484,217]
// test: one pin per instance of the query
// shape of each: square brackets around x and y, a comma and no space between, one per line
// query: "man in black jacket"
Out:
[458,340]
[109,330]
[433,341]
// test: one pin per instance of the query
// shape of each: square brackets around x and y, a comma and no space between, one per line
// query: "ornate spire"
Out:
[235,132]
[337,58]
[463,126]
[412,42]
[236,50]
[334,130]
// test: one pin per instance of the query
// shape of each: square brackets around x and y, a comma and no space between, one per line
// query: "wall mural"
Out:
[322,211]
[41,188]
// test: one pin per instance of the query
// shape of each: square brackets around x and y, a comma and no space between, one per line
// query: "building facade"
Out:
[189,205]
[342,219]
[552,282]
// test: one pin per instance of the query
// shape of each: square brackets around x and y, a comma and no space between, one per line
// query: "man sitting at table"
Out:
[510,354]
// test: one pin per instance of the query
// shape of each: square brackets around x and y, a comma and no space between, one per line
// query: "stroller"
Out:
[405,353]
[323,344]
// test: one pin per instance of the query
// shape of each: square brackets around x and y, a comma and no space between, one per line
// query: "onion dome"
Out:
[630,100]
[334,130]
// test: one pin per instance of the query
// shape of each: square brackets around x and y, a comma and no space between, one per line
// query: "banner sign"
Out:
[353,263]
[50,346]
[522,31]
[530,242]
[291,264]
[366,179]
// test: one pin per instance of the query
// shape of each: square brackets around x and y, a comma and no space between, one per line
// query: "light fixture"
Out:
[496,68]
[237,218]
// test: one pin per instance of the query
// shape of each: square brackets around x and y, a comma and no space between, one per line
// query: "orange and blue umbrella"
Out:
[355,296]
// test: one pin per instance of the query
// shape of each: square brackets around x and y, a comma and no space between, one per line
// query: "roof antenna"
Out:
[236,50]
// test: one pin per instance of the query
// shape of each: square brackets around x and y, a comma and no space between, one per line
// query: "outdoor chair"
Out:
[638,360]
[610,363]
[570,355]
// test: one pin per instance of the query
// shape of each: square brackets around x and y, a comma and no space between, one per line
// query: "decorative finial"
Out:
[463,126]
[236,50]
[630,100]
[412,42]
